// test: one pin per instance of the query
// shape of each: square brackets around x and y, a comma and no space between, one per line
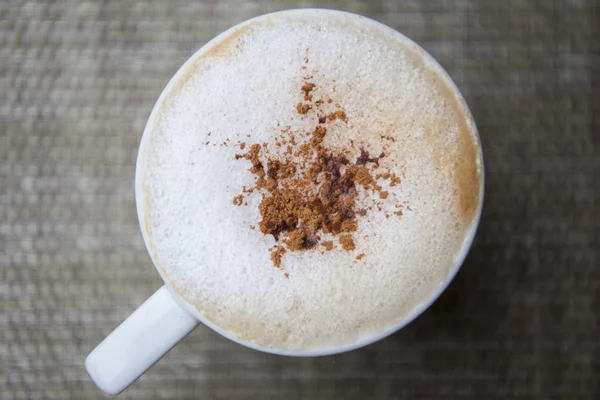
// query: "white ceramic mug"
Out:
[166,318]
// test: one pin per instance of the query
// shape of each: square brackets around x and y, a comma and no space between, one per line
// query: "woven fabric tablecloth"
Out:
[78,80]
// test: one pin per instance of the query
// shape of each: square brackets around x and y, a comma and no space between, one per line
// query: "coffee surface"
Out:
[385,107]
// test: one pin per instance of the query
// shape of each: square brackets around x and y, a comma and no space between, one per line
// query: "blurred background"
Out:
[521,320]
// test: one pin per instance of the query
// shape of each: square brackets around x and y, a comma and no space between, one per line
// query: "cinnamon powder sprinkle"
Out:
[341,114]
[360,256]
[328,245]
[303,108]
[238,200]
[309,191]
[276,255]
[347,242]
[307,88]
[394,180]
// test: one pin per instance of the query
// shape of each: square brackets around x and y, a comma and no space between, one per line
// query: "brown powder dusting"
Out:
[398,213]
[349,225]
[242,145]
[394,180]
[287,170]
[360,256]
[271,184]
[347,242]
[296,239]
[303,108]
[341,114]
[287,275]
[318,136]
[273,167]
[279,212]
[308,190]
[364,157]
[238,200]
[276,255]
[292,139]
[307,88]
[362,176]
[252,155]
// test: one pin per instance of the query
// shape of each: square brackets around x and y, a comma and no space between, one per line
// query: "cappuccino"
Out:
[308,179]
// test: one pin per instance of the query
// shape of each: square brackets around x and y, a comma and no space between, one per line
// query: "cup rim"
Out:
[362,342]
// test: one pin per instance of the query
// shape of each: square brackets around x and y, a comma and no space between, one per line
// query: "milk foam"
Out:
[244,86]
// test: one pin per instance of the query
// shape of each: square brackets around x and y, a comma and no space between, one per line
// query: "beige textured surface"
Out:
[77,82]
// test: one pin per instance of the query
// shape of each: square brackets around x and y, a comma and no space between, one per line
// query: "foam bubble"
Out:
[247,84]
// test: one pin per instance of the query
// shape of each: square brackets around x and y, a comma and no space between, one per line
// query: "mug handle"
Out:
[140,341]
